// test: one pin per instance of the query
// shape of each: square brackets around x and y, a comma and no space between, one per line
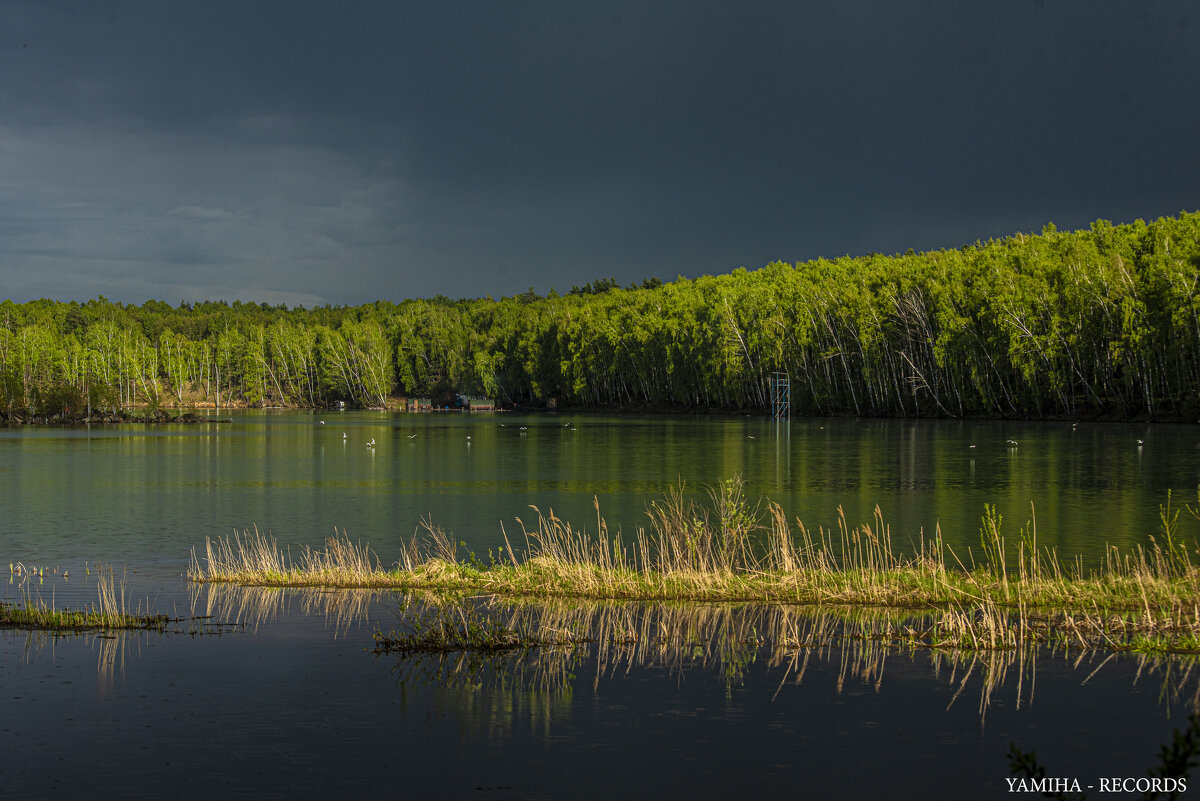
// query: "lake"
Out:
[291,701]
[145,495]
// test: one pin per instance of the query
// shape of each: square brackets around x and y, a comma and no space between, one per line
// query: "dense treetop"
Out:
[1099,322]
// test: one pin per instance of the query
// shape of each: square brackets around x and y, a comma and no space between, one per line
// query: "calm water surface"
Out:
[146,495]
[294,704]
[298,707]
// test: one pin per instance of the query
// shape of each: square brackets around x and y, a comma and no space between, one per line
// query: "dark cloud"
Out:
[313,152]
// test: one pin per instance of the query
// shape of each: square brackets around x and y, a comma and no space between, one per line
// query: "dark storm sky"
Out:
[306,152]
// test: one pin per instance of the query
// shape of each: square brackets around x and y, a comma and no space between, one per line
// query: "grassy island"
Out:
[720,549]
[109,613]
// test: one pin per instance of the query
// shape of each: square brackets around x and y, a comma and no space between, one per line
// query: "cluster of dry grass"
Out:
[720,548]
[108,613]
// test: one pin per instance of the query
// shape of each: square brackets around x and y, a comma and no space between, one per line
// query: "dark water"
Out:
[298,707]
[292,703]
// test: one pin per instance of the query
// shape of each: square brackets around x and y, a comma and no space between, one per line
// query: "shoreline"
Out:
[189,413]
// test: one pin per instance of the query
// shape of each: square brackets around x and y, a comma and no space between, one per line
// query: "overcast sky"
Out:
[311,153]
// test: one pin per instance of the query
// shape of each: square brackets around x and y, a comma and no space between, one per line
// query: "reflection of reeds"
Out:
[110,647]
[721,548]
[1174,682]
[254,606]
[110,659]
[727,640]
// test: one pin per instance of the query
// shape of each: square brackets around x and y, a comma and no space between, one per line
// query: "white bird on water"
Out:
[412,436]
[1012,442]
[322,422]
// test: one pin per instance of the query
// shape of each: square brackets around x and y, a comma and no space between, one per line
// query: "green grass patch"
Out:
[109,613]
[75,620]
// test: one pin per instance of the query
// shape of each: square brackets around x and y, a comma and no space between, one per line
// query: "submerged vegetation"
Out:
[719,548]
[1101,322]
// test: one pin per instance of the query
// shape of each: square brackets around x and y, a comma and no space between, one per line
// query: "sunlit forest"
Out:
[1102,322]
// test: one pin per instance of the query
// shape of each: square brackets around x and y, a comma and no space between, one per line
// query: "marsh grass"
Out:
[253,557]
[109,613]
[719,548]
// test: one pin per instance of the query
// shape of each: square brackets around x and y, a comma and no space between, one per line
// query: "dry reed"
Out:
[109,613]
[726,550]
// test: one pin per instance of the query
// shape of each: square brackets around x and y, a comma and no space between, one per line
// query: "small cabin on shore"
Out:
[420,405]
[469,404]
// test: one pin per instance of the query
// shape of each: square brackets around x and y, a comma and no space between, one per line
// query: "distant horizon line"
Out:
[1048,227]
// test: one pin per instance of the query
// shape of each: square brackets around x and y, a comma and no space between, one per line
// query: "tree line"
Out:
[1098,322]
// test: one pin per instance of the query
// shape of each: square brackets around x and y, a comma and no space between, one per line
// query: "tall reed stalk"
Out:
[717,546]
[109,613]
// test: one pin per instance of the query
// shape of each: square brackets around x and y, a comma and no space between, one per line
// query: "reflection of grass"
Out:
[477,643]
[253,606]
[109,613]
[442,628]
[719,548]
[539,645]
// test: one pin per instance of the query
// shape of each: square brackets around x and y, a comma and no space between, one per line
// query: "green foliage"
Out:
[102,396]
[1103,322]
[597,287]
[61,400]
